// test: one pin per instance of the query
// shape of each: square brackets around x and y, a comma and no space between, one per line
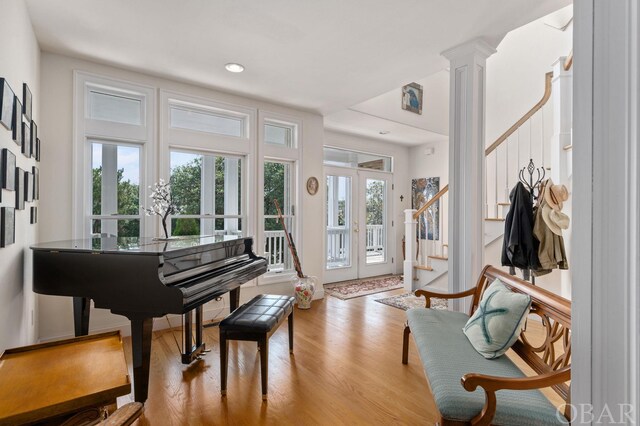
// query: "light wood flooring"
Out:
[346,369]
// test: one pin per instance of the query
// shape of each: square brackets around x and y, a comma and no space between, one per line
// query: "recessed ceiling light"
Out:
[233,67]
[384,132]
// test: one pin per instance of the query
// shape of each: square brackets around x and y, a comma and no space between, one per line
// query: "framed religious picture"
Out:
[412,98]
[312,185]
[8,170]
[7,99]
[7,226]
[27,99]
[17,122]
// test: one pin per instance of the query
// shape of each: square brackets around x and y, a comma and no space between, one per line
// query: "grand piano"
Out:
[144,278]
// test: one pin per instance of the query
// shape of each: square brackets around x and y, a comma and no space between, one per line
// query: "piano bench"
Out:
[255,321]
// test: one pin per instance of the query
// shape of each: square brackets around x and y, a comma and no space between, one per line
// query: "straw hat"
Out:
[555,195]
[555,219]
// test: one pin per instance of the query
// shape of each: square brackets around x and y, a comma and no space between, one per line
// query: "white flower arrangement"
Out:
[163,204]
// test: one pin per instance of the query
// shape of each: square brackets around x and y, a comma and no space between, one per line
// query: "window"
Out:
[115,106]
[208,191]
[276,133]
[208,120]
[278,185]
[356,160]
[114,125]
[115,189]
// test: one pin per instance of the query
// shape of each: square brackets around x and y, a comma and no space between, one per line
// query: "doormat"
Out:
[409,300]
[355,288]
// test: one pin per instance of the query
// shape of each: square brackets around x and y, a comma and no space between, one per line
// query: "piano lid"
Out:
[135,245]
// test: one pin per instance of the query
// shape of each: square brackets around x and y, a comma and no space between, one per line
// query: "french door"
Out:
[358,228]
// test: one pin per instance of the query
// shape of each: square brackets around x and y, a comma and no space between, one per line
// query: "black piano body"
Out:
[145,278]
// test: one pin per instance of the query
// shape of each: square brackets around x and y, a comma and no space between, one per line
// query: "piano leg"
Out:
[141,334]
[234,299]
[81,310]
[191,352]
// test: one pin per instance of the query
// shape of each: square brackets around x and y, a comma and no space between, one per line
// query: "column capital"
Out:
[476,46]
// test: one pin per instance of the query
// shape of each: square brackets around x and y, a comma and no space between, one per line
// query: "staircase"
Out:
[531,138]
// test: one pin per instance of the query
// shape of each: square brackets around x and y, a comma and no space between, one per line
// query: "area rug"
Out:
[355,288]
[409,300]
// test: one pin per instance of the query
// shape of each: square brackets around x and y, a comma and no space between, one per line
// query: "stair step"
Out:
[438,257]
[494,219]
[423,267]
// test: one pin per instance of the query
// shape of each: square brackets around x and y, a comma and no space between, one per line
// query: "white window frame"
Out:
[206,143]
[87,131]
[276,153]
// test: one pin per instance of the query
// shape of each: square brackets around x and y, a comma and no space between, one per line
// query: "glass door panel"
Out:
[374,233]
[341,255]
[375,199]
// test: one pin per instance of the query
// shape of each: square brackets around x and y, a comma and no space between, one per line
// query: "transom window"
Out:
[205,119]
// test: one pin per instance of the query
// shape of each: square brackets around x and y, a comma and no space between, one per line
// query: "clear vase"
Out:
[303,289]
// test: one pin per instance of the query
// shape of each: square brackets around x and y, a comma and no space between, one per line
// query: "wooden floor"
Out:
[346,369]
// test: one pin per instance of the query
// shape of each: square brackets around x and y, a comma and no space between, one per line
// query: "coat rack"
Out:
[525,176]
[530,170]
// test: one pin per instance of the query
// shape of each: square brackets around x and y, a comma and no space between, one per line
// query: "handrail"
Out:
[431,201]
[568,62]
[512,129]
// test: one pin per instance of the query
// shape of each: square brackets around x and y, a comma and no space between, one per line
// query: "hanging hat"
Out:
[555,195]
[555,219]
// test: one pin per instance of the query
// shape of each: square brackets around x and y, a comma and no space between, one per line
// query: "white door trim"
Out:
[606,237]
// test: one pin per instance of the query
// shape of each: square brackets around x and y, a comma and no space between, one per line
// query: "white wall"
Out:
[401,179]
[19,62]
[515,83]
[515,74]
[57,124]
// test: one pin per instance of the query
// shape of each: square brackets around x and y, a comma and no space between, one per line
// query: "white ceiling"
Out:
[325,56]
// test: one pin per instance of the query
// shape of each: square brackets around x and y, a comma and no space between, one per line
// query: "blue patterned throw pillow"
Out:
[497,322]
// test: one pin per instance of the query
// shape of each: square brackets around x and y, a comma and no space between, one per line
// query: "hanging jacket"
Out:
[551,251]
[520,248]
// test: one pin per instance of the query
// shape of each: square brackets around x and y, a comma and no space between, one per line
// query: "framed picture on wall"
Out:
[26,140]
[34,215]
[28,187]
[17,120]
[36,182]
[7,226]
[27,100]
[8,170]
[19,188]
[412,98]
[37,154]
[7,99]
[34,138]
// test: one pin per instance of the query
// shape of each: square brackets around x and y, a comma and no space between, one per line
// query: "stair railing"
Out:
[430,235]
[527,136]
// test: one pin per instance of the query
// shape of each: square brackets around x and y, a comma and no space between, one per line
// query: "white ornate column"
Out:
[466,164]
[409,249]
